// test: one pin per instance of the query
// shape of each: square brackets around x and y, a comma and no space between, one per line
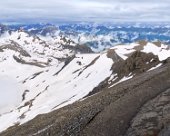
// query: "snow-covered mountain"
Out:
[40,74]
[101,36]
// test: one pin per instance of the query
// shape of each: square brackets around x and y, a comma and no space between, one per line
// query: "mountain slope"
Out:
[106,113]
[51,73]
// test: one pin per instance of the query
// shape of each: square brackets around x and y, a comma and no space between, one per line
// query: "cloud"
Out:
[84,10]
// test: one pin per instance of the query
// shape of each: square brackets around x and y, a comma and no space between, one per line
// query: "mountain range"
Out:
[99,36]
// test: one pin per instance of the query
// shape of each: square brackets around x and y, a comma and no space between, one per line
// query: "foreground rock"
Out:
[153,118]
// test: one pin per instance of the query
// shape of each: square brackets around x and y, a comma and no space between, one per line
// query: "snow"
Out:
[155,67]
[42,130]
[40,48]
[9,93]
[122,80]
[52,91]
[124,50]
[68,87]
[162,52]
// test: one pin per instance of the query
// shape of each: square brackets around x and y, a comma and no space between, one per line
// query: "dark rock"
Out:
[137,63]
[79,48]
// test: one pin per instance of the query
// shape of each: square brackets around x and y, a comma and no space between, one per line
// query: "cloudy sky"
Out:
[84,10]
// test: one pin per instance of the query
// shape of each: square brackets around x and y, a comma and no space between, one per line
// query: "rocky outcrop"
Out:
[34,63]
[113,55]
[138,62]
[15,47]
[78,48]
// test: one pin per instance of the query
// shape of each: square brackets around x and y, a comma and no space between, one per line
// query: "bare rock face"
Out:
[113,55]
[165,131]
[15,47]
[83,49]
[153,119]
[79,48]
[137,63]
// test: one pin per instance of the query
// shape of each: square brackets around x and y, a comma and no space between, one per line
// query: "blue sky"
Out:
[84,10]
